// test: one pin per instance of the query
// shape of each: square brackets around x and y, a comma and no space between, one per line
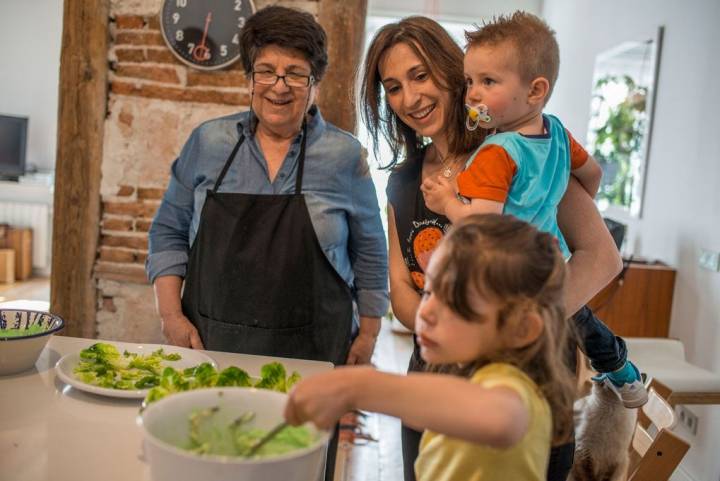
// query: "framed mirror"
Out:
[621,111]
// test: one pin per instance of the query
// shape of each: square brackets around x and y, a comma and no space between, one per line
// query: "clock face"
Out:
[205,34]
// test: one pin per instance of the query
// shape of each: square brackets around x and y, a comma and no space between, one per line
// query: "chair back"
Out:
[659,455]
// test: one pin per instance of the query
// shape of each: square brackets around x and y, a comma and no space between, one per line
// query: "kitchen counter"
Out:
[51,431]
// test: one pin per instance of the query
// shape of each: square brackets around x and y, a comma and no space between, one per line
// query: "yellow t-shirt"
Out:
[443,458]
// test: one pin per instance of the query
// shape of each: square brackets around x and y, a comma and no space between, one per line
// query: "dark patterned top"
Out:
[419,229]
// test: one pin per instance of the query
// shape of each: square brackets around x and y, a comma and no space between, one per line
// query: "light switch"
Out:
[709,260]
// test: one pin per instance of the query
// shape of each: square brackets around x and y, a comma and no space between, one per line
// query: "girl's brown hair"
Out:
[443,59]
[510,262]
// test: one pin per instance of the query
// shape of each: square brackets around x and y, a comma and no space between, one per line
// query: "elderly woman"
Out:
[271,218]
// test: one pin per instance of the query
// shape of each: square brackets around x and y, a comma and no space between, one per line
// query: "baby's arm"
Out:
[457,210]
[440,197]
[589,175]
[496,417]
[584,167]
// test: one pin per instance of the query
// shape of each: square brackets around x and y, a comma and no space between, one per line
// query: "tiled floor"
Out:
[381,460]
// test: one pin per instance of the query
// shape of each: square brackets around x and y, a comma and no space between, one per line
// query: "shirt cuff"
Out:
[373,303]
[167,263]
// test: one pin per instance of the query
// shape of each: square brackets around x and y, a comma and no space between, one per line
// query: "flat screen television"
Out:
[13,142]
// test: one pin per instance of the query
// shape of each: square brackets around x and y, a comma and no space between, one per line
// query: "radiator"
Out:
[38,218]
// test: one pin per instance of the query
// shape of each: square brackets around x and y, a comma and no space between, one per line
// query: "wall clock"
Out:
[204,34]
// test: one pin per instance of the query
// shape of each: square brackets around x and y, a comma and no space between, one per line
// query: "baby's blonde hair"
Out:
[536,49]
[510,262]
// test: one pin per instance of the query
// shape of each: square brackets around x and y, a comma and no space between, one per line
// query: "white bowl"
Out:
[20,353]
[165,424]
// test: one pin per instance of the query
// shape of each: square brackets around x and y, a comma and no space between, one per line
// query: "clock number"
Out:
[241,22]
[181,3]
[238,5]
[223,50]
[236,39]
[179,35]
[176,18]
[191,47]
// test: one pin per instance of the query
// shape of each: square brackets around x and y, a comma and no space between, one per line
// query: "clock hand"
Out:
[202,52]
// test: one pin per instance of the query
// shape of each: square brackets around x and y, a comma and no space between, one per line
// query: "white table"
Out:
[51,431]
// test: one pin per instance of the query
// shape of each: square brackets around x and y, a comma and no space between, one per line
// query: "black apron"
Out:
[258,281]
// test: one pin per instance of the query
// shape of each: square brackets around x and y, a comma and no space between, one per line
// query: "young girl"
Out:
[491,325]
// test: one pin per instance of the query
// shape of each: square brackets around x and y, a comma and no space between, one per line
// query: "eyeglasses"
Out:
[290,79]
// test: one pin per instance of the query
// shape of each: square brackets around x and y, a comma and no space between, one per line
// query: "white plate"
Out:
[188,358]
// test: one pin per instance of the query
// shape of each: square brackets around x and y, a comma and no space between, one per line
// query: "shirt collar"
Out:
[315,127]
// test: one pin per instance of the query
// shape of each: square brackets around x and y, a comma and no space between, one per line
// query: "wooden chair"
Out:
[664,359]
[656,457]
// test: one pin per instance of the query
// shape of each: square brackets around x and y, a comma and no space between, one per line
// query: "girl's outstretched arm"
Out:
[496,417]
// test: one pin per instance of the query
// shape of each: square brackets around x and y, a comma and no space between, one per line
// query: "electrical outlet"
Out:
[688,419]
[709,260]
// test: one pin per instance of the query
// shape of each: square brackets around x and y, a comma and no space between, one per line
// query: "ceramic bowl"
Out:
[20,352]
[165,424]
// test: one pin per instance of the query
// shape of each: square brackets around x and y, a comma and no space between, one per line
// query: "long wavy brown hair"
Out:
[443,59]
[510,262]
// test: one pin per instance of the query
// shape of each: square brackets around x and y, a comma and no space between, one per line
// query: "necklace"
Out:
[446,169]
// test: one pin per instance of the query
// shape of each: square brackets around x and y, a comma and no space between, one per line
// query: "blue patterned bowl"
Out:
[23,335]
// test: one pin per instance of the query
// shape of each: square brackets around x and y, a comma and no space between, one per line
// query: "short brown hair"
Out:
[288,28]
[537,50]
[444,60]
[510,262]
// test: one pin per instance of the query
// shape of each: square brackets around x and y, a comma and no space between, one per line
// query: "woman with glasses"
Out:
[268,240]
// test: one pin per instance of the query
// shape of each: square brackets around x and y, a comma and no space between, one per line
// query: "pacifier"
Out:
[475,115]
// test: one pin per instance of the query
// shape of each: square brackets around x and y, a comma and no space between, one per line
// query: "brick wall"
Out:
[154,103]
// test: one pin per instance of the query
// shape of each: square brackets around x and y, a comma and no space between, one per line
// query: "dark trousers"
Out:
[606,351]
[332,455]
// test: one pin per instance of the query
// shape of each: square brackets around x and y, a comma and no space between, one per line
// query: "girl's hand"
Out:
[323,398]
[437,192]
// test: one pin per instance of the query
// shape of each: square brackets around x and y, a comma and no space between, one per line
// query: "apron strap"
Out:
[301,161]
[228,162]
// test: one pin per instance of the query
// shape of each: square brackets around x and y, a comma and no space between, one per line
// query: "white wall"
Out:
[30,35]
[681,203]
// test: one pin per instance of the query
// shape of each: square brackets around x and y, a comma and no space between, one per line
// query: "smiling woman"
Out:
[261,211]
[270,219]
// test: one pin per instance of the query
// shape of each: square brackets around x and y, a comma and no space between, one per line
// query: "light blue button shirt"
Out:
[338,189]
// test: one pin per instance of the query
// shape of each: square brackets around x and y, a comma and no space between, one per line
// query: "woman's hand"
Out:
[323,398]
[362,349]
[363,346]
[179,331]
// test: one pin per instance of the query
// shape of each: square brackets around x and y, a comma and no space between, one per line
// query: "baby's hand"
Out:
[437,192]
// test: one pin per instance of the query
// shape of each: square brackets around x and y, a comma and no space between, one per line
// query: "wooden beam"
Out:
[344,22]
[81,116]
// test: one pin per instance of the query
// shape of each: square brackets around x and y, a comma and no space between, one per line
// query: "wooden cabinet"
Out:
[7,266]
[638,302]
[20,241]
